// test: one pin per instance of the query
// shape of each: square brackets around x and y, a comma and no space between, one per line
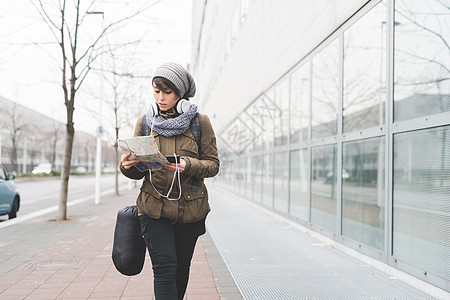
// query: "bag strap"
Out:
[145,129]
[196,128]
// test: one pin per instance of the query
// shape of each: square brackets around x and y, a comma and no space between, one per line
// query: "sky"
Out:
[30,58]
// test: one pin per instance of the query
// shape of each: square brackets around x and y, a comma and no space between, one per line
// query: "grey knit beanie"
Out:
[179,76]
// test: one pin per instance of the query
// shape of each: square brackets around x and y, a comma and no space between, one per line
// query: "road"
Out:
[42,193]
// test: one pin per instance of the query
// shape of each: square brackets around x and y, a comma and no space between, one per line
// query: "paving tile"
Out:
[143,294]
[78,257]
[53,285]
[212,296]
[201,291]
[74,294]
[19,293]
[49,293]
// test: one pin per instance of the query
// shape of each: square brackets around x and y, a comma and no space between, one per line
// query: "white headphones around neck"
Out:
[182,106]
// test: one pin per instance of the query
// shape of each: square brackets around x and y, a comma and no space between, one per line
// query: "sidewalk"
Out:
[272,257]
[44,259]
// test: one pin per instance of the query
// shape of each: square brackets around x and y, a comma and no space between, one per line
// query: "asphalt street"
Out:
[43,193]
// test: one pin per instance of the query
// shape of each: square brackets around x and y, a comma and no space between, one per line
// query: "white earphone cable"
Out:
[176,174]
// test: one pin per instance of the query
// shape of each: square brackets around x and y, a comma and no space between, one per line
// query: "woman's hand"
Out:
[127,163]
[173,167]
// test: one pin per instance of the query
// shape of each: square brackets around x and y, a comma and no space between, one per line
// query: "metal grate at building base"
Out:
[270,260]
[52,265]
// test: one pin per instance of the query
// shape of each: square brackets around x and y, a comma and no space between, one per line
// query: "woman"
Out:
[172,218]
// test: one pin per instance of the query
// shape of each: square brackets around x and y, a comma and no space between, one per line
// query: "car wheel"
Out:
[14,209]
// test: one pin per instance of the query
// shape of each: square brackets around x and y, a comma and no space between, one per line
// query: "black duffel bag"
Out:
[129,248]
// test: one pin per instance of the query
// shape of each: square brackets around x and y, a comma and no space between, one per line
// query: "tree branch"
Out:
[46,18]
[424,28]
[424,59]
[64,57]
[113,24]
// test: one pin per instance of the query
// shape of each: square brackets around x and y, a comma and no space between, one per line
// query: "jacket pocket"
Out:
[148,188]
[195,210]
[149,204]
[187,147]
[195,202]
[185,151]
[190,196]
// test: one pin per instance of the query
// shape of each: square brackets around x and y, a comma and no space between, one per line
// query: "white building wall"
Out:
[241,47]
[284,150]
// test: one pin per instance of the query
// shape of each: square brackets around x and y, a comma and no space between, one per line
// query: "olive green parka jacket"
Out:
[193,204]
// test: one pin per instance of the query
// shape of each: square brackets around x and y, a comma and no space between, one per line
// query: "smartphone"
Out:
[172,159]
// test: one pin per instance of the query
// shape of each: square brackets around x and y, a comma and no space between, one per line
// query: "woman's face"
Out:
[166,98]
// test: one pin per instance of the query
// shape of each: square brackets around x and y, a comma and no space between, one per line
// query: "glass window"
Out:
[238,136]
[364,90]
[257,178]
[248,179]
[363,192]
[299,106]
[236,178]
[267,196]
[282,113]
[250,131]
[323,187]
[421,212]
[225,167]
[298,186]
[242,172]
[223,155]
[422,60]
[255,123]
[264,112]
[325,91]
[232,170]
[281,181]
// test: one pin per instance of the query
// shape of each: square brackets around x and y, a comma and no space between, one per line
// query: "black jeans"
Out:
[171,247]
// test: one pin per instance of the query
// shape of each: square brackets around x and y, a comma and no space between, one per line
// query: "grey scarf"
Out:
[171,127]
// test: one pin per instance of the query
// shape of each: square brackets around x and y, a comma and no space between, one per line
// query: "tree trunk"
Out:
[116,161]
[116,149]
[14,155]
[53,154]
[62,211]
[116,171]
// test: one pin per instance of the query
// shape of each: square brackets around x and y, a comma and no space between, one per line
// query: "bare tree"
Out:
[126,91]
[88,144]
[44,140]
[16,124]
[75,65]
[54,136]
[116,104]
[121,86]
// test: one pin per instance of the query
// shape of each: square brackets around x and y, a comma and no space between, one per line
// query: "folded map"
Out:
[145,149]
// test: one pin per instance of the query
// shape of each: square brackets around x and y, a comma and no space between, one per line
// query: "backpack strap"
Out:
[196,128]
[145,130]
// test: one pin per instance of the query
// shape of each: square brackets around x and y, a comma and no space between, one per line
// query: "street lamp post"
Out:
[98,163]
